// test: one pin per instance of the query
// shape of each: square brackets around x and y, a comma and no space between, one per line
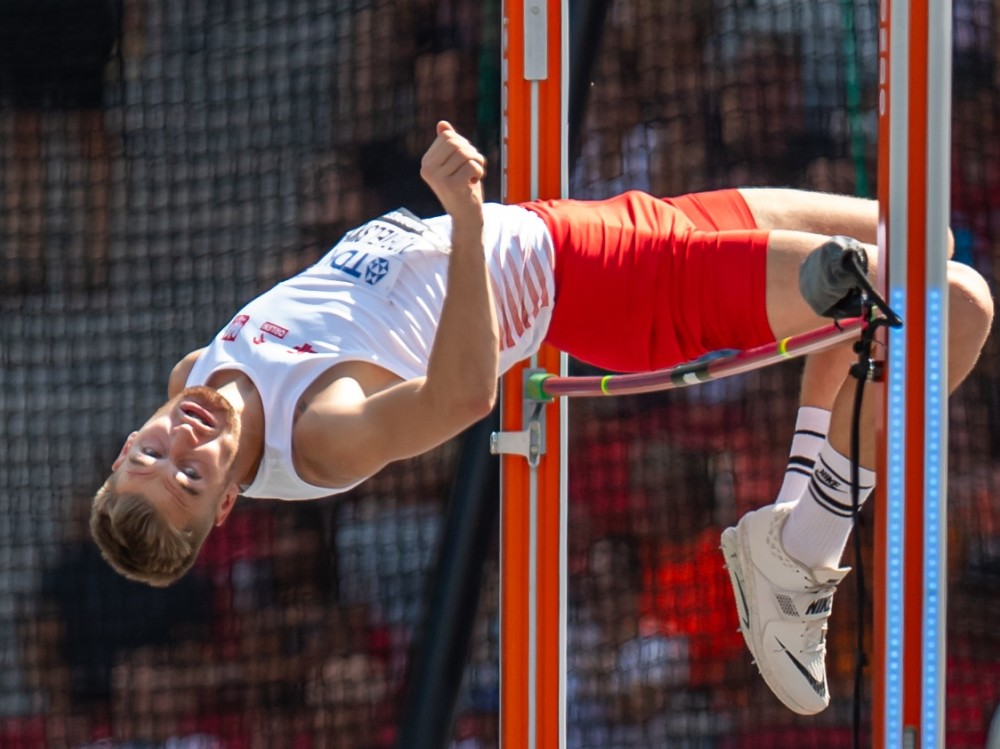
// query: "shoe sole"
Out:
[743,591]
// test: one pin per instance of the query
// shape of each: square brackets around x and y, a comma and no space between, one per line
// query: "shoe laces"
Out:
[814,637]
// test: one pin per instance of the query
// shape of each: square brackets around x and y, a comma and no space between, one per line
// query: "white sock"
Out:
[820,523]
[811,426]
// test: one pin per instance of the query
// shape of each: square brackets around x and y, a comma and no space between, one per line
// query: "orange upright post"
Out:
[910,555]
[532,608]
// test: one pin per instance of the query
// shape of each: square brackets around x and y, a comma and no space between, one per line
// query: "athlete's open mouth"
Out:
[198,413]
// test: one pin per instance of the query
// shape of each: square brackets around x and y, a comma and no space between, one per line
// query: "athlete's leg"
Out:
[800,221]
[825,214]
[775,209]
[814,212]
[970,315]
[819,525]
[790,552]
[823,374]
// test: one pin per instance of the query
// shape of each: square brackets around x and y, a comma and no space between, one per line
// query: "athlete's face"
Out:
[181,459]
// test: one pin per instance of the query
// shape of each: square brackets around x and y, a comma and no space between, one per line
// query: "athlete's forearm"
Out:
[462,370]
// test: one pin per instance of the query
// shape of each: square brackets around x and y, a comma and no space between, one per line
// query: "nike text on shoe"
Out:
[783,608]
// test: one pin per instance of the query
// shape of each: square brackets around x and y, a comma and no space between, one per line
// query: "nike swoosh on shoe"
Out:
[744,620]
[818,686]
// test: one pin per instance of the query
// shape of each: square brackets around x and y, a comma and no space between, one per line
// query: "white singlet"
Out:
[376,297]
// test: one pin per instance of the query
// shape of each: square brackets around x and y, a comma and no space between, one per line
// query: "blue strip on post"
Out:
[934,570]
[895,492]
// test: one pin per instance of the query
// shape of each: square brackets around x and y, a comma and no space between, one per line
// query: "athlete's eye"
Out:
[191,473]
[150,452]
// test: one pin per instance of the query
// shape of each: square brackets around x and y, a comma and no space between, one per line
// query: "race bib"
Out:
[372,255]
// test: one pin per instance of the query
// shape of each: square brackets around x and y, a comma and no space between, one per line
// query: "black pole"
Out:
[586,27]
[439,654]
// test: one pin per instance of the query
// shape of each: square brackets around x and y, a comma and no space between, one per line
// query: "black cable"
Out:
[865,369]
[840,267]
[869,297]
[861,371]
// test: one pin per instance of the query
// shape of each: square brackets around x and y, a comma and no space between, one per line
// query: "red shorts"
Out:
[645,283]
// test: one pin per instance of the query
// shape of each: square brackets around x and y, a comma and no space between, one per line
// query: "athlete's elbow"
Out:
[489,401]
[463,398]
[476,401]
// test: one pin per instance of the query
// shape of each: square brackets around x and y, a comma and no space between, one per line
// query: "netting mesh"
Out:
[694,97]
[162,163]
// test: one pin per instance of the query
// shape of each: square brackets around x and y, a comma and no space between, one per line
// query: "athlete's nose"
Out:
[184,438]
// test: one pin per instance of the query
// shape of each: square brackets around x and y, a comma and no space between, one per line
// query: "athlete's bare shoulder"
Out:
[179,374]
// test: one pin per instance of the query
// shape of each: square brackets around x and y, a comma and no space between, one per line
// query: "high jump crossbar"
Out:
[542,386]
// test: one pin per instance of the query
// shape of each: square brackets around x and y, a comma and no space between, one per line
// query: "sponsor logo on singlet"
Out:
[377,269]
[276,330]
[371,254]
[234,328]
[269,328]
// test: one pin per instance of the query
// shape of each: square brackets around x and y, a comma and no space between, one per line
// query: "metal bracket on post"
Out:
[536,40]
[530,441]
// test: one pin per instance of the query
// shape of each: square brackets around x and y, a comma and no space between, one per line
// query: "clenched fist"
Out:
[454,169]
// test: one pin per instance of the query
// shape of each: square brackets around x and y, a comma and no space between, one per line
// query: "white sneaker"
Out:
[783,608]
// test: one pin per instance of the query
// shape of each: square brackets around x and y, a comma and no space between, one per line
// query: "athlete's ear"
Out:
[227,504]
[124,451]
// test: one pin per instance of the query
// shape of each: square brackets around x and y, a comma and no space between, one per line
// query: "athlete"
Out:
[392,343]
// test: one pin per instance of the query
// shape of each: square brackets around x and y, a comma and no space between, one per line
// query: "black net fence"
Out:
[699,96]
[162,163]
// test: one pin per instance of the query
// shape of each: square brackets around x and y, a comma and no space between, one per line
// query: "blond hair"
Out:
[138,542]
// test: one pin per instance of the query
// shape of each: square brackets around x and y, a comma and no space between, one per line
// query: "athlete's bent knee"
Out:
[971,298]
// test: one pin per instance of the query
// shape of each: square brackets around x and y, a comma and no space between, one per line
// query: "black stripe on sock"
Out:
[800,460]
[796,469]
[827,502]
[810,433]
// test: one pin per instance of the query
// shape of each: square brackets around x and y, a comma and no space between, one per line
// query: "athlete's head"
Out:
[170,484]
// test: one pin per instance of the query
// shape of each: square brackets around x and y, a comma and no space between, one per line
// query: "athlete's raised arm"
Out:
[346,433]
[464,358]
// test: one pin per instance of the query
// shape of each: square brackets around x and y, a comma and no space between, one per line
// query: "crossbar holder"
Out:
[530,441]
